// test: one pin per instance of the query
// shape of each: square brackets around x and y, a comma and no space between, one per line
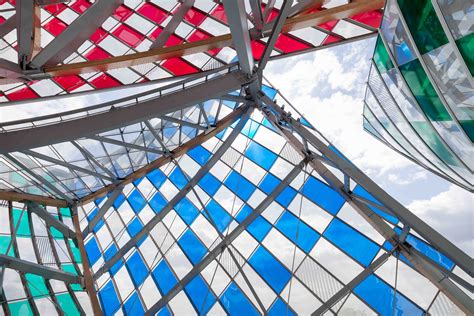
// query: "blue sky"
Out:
[328,87]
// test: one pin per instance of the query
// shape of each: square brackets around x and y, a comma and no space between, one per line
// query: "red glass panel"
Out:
[288,44]
[55,8]
[329,25]
[22,94]
[122,13]
[372,18]
[257,49]
[2,19]
[69,83]
[273,14]
[105,81]
[80,6]
[128,35]
[98,35]
[96,53]
[178,67]
[152,12]
[197,35]
[331,39]
[195,17]
[219,13]
[154,35]
[55,26]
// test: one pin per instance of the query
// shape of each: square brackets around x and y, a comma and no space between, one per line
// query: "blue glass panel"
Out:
[108,254]
[134,227]
[99,200]
[137,181]
[244,212]
[198,291]
[133,306]
[92,214]
[220,217]
[164,312]
[221,134]
[270,269]
[259,228]
[157,202]
[270,182]
[186,210]
[288,224]
[267,123]
[379,295]
[305,122]
[238,184]
[351,241]
[137,201]
[210,184]
[362,192]
[323,195]
[137,269]
[260,155]
[93,251]
[280,308]
[156,177]
[178,178]
[250,128]
[192,247]
[200,154]
[108,299]
[164,277]
[236,303]
[120,199]
[269,91]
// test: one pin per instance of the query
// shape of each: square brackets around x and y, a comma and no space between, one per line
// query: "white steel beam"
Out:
[28,30]
[66,43]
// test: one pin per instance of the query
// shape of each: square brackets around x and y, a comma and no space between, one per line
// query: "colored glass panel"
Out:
[192,247]
[137,269]
[323,195]
[164,277]
[67,304]
[466,48]
[157,202]
[423,24]
[136,201]
[133,306]
[200,154]
[363,193]
[186,210]
[210,184]
[242,187]
[21,222]
[272,271]
[259,228]
[22,308]
[108,299]
[198,291]
[92,250]
[37,285]
[236,303]
[260,155]
[297,231]
[381,57]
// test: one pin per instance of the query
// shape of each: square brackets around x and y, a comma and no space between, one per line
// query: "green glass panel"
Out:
[20,308]
[468,127]
[24,228]
[434,142]
[37,286]
[381,57]
[423,24]
[75,251]
[67,304]
[65,211]
[56,233]
[466,48]
[69,267]
[424,93]
[4,242]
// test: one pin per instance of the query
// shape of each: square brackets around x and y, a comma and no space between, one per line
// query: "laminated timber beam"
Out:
[158,54]
[25,197]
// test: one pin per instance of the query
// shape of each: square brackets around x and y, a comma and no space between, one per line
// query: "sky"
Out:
[328,87]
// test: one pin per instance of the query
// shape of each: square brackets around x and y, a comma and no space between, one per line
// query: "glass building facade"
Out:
[420,95]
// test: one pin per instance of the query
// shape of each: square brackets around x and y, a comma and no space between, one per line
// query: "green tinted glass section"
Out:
[69,267]
[20,308]
[4,242]
[423,24]
[381,57]
[65,211]
[466,48]
[24,228]
[468,127]
[75,251]
[56,233]
[424,93]
[67,304]
[434,142]
[37,286]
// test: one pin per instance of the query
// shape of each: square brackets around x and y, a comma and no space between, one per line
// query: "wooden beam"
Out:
[26,197]
[153,55]
[181,150]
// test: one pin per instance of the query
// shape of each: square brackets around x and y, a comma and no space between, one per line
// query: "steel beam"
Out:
[119,117]
[8,26]
[66,164]
[126,145]
[24,197]
[103,209]
[169,29]
[10,72]
[44,271]
[28,30]
[181,194]
[156,135]
[227,240]
[69,40]
[92,159]
[257,13]
[50,219]
[303,5]
[182,122]
[237,19]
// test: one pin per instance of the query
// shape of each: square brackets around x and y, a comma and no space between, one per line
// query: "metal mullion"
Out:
[108,157]
[360,24]
[14,244]
[126,146]
[199,175]
[40,261]
[257,13]
[155,134]
[268,8]
[415,101]
[451,40]
[127,149]
[182,122]
[92,160]
[49,219]
[228,239]
[204,114]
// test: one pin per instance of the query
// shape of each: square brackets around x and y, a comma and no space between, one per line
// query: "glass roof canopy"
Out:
[206,196]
